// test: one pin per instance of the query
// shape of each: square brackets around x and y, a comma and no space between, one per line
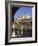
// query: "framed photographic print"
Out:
[21,22]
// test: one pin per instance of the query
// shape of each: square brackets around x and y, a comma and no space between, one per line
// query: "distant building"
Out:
[25,22]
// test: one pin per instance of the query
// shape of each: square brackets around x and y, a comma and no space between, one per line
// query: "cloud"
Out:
[28,16]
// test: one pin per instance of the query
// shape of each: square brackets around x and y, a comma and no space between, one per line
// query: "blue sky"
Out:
[23,11]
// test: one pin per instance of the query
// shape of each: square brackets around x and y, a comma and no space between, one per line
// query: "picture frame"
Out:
[10,9]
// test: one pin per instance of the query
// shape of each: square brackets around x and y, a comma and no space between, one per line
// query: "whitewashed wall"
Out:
[37,22]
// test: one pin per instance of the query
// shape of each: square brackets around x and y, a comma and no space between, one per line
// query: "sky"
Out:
[23,11]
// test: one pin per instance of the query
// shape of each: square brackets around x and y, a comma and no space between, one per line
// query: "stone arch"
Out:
[14,9]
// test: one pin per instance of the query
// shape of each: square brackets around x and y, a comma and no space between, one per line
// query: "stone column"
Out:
[13,34]
[21,30]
